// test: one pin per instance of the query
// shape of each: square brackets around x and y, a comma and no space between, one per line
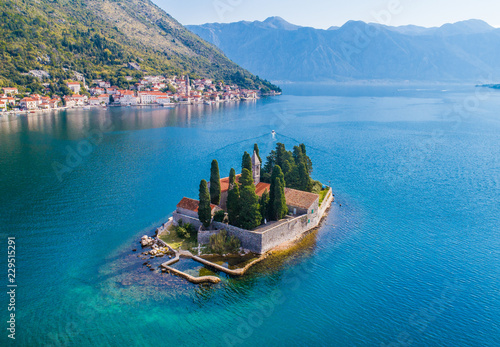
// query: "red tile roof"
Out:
[261,188]
[298,198]
[192,205]
[224,183]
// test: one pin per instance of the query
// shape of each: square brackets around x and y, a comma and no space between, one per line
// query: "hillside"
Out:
[461,52]
[99,38]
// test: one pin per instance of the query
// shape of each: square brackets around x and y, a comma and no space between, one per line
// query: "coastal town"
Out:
[147,91]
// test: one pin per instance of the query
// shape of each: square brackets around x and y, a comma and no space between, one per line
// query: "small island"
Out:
[251,213]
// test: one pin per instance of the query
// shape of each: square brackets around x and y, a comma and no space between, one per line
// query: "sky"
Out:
[326,13]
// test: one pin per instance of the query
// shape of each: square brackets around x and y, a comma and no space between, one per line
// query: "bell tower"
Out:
[256,168]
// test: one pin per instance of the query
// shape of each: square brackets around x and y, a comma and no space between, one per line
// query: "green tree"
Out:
[307,160]
[246,162]
[246,178]
[215,189]
[303,177]
[233,204]
[250,217]
[204,209]
[277,201]
[232,177]
[264,204]
[304,168]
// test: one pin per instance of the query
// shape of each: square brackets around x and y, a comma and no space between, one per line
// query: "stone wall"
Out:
[262,242]
[186,219]
[250,240]
[295,227]
[284,232]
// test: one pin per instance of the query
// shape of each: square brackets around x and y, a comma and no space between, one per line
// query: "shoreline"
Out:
[94,107]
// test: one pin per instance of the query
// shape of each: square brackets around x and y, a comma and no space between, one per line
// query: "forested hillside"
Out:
[99,39]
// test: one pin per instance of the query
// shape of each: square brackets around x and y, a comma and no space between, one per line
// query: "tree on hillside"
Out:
[246,178]
[233,204]
[277,201]
[215,183]
[204,209]
[250,217]
[246,162]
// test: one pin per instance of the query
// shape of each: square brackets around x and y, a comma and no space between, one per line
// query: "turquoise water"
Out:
[411,258]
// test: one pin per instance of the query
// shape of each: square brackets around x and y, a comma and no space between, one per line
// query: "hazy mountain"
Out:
[464,51]
[99,38]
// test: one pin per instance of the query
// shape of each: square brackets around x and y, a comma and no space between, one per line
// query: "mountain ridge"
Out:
[99,38]
[462,51]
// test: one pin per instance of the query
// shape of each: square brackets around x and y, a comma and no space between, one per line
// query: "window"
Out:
[308,221]
[312,211]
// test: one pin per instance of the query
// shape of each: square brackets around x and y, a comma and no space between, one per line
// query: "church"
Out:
[298,202]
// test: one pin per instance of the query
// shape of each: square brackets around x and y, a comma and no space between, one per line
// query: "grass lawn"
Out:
[322,195]
[176,242]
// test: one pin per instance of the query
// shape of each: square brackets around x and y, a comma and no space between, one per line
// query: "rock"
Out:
[146,241]
[134,250]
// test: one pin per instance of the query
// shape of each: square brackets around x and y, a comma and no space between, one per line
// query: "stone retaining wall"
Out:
[186,219]
[250,240]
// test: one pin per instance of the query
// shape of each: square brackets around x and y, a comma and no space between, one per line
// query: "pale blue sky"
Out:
[326,13]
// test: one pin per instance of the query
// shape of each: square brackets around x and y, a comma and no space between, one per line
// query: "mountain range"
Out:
[466,51]
[104,39]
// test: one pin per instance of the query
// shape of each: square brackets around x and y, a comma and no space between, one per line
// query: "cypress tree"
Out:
[277,195]
[232,177]
[246,178]
[281,154]
[233,205]
[307,160]
[246,162]
[303,179]
[279,207]
[250,217]
[264,205]
[204,209]
[215,183]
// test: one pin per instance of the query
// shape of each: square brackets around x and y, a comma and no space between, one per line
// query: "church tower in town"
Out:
[188,86]
[256,168]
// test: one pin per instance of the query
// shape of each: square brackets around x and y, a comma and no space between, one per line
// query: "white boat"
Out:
[273,132]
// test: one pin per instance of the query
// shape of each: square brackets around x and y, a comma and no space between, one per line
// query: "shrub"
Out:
[186,231]
[182,232]
[191,230]
[219,216]
[222,243]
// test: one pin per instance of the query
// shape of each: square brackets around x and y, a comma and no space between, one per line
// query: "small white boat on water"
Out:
[273,132]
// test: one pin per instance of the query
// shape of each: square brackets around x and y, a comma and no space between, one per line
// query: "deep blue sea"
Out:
[408,256]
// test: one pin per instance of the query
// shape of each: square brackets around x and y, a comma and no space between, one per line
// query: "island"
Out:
[254,212]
